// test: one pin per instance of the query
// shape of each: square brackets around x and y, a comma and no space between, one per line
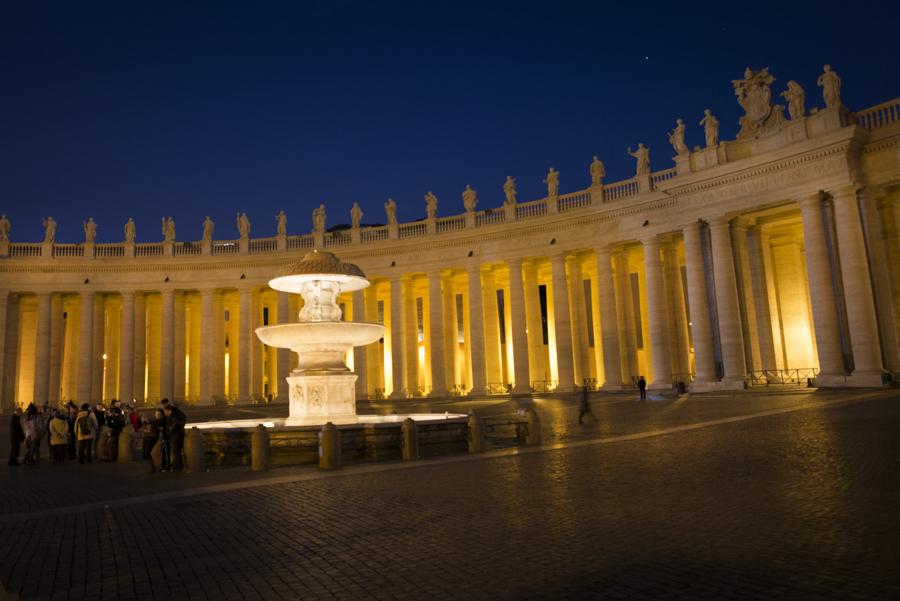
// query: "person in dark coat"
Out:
[584,407]
[175,421]
[16,436]
[149,438]
[642,387]
[115,421]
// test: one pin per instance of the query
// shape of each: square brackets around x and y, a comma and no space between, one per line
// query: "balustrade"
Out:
[619,190]
[880,115]
[68,250]
[263,245]
[109,250]
[535,208]
[409,230]
[451,224]
[225,248]
[575,200]
[187,248]
[489,217]
[373,234]
[658,177]
[25,249]
[153,249]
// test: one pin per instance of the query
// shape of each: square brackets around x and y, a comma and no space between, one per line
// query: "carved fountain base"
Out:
[319,398]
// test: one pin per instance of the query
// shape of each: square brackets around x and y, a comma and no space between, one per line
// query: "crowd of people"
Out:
[82,433]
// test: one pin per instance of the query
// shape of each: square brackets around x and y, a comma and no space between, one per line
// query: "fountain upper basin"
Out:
[308,335]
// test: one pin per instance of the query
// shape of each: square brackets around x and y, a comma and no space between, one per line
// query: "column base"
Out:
[659,385]
[854,380]
[716,385]
[438,394]
[521,391]
[613,386]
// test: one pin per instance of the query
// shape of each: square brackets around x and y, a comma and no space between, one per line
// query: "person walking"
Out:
[642,387]
[59,437]
[149,439]
[16,436]
[85,430]
[584,408]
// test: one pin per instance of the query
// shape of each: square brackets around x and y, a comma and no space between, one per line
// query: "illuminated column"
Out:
[167,345]
[42,350]
[140,345]
[284,354]
[396,329]
[869,199]
[244,334]
[11,351]
[886,218]
[207,349]
[679,343]
[698,297]
[56,342]
[85,347]
[359,352]
[492,361]
[256,345]
[436,335]
[609,321]
[860,303]
[476,331]
[374,351]
[533,324]
[5,404]
[752,350]
[451,335]
[578,320]
[179,350]
[821,292]
[758,243]
[518,331]
[730,334]
[218,373]
[126,349]
[562,324]
[410,337]
[625,312]
[99,326]
[656,314]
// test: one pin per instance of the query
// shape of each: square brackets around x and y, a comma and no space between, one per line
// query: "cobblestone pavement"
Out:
[799,504]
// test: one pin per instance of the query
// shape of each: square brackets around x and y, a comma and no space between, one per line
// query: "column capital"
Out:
[605,249]
[650,240]
[514,261]
[743,222]
[812,199]
[719,220]
[845,192]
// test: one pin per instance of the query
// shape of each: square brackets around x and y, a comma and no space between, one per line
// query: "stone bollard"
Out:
[533,435]
[259,449]
[410,439]
[476,434]
[330,447]
[126,445]
[193,451]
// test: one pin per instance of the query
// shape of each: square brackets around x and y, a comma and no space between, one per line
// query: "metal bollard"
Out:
[126,446]
[476,434]
[330,447]
[533,435]
[193,451]
[410,439]
[259,449]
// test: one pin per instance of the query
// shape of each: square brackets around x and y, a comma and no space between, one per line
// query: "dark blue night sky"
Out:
[127,109]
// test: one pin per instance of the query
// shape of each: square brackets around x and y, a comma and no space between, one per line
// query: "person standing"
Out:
[16,436]
[32,429]
[116,423]
[85,431]
[175,420]
[584,408]
[159,423]
[71,416]
[642,387]
[59,437]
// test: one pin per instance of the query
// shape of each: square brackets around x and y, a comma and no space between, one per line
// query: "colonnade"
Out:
[712,302]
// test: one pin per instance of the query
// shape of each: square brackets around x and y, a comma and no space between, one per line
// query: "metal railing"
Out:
[589,383]
[499,387]
[780,377]
[544,385]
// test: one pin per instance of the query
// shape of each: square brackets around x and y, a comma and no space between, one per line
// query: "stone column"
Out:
[451,334]
[625,312]
[609,321]
[375,351]
[140,344]
[492,361]
[534,324]
[99,326]
[218,351]
[879,264]
[256,346]
[562,324]
[359,352]
[42,349]
[863,324]
[56,343]
[730,333]
[752,350]
[436,335]
[284,354]
[476,331]
[521,372]
[758,243]
[884,216]
[126,349]
[698,297]
[578,321]
[410,337]
[167,345]
[11,351]
[179,390]
[656,316]
[244,334]
[86,348]
[397,375]
[207,346]
[679,343]
[5,406]
[821,292]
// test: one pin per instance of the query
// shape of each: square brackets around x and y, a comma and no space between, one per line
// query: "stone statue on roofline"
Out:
[831,87]
[470,199]
[552,182]
[710,128]
[49,229]
[4,228]
[796,100]
[755,97]
[356,215]
[509,191]
[129,230]
[390,209]
[642,154]
[168,229]
[431,204]
[281,224]
[676,138]
[90,230]
[208,227]
[598,172]
[243,225]
[318,219]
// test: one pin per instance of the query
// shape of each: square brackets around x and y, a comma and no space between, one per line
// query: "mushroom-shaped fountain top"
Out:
[320,266]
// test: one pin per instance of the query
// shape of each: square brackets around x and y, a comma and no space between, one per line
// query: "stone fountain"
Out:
[322,388]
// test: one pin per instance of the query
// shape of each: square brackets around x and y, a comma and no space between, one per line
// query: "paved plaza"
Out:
[754,495]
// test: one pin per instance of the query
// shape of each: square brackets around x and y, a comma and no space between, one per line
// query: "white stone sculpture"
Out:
[509,190]
[4,228]
[129,230]
[755,96]
[281,221]
[356,215]
[208,227]
[90,230]
[710,128]
[390,209]
[318,219]
[676,138]
[598,172]
[49,229]
[470,199]
[831,87]
[642,154]
[796,99]
[431,204]
[552,182]
[168,229]
[243,225]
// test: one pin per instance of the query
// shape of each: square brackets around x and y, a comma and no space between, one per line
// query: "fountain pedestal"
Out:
[316,399]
